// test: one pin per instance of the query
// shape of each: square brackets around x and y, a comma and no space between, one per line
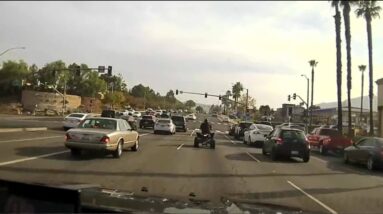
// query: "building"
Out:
[297,113]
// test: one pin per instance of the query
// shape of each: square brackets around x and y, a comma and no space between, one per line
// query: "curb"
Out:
[5,130]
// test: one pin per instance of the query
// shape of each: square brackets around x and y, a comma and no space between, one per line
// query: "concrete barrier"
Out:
[31,129]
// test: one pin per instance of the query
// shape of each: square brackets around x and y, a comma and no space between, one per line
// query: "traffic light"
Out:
[101,69]
[109,70]
[205,95]
[78,70]
[176,91]
[219,97]
[294,96]
[289,98]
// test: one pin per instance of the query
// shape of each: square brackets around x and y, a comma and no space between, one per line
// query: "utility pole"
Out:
[247,100]
[313,64]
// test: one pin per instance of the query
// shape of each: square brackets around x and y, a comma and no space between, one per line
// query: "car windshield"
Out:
[114,94]
[76,115]
[99,124]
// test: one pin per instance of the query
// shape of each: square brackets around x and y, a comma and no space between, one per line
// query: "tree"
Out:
[190,104]
[13,75]
[362,68]
[242,100]
[92,85]
[337,18]
[369,10]
[265,110]
[199,109]
[347,30]
[116,98]
[236,90]
[51,73]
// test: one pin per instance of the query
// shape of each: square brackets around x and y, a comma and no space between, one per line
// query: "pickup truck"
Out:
[326,139]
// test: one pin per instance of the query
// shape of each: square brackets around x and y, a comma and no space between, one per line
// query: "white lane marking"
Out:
[32,158]
[143,134]
[312,198]
[178,148]
[254,158]
[230,140]
[219,123]
[318,159]
[36,138]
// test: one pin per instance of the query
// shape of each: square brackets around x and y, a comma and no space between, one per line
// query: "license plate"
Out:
[86,138]
[294,152]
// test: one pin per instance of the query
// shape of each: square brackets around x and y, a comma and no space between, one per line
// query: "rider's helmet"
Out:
[205,121]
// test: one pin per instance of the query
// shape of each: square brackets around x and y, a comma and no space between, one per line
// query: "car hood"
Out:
[112,200]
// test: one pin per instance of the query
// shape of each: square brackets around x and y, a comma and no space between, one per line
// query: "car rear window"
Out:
[99,124]
[329,132]
[76,115]
[292,134]
[264,128]
[245,125]
[178,118]
[147,117]
[163,121]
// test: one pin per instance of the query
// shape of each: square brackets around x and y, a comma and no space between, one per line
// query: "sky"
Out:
[196,46]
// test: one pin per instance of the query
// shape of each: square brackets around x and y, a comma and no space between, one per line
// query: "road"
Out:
[170,166]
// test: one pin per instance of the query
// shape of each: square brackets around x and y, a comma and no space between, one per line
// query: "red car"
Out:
[326,139]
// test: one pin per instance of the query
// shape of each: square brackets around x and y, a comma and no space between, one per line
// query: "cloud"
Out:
[196,46]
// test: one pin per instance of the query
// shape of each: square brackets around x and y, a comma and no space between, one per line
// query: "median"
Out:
[30,129]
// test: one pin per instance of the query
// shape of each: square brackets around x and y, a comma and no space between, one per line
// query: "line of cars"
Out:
[291,140]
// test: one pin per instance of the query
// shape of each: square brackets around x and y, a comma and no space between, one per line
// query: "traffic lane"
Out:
[336,185]
[161,165]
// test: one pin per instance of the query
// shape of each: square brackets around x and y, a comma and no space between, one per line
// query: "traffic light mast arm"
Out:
[301,99]
[211,95]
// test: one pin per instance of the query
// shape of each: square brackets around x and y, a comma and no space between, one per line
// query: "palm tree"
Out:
[347,31]
[338,42]
[362,68]
[313,64]
[369,10]
[236,90]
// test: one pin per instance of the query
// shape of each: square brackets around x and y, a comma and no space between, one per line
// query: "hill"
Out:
[355,102]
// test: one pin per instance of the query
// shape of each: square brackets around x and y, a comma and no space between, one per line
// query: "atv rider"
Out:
[206,128]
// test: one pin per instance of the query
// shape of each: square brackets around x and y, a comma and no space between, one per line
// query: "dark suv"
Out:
[180,122]
[147,121]
[285,141]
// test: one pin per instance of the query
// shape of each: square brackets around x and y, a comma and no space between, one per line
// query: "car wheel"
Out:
[244,140]
[155,132]
[118,152]
[196,142]
[66,128]
[249,140]
[371,163]
[345,158]
[306,158]
[75,152]
[264,151]
[135,146]
[273,155]
[212,144]
[322,149]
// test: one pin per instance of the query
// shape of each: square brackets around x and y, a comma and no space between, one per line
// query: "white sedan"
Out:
[73,120]
[191,117]
[257,133]
[164,125]
[136,114]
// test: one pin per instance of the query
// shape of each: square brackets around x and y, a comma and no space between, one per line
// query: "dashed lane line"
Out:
[254,158]
[143,134]
[312,198]
[32,158]
[179,147]
[318,159]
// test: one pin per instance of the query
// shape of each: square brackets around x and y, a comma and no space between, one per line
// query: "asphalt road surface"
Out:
[170,166]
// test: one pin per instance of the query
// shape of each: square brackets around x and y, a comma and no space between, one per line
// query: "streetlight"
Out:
[313,63]
[62,95]
[9,49]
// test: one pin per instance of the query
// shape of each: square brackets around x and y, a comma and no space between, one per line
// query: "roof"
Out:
[104,118]
[379,81]
[289,128]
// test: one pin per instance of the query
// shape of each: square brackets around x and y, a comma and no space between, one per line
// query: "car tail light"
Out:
[105,140]
[279,141]
[67,137]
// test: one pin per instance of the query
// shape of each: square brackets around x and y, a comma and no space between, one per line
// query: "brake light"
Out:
[105,140]
[67,137]
[279,141]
